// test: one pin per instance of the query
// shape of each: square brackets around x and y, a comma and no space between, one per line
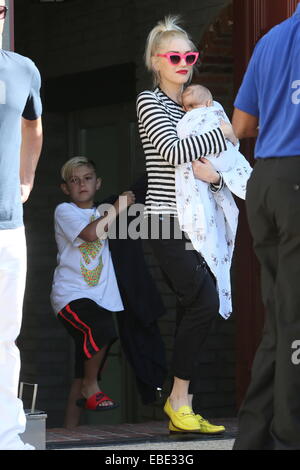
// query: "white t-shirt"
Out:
[85,269]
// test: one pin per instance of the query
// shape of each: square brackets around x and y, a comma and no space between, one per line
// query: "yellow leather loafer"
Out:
[184,419]
[205,427]
[174,430]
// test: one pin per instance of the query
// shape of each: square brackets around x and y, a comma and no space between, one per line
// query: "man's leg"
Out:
[12,285]
[256,412]
[270,416]
[285,428]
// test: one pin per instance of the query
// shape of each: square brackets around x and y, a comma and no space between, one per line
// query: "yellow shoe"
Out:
[174,430]
[184,419]
[207,428]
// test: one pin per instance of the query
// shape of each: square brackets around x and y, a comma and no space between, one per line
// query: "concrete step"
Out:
[152,431]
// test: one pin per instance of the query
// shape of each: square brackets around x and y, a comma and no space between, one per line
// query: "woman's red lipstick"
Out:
[183,72]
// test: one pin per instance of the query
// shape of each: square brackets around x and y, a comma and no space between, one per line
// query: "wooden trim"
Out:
[291,6]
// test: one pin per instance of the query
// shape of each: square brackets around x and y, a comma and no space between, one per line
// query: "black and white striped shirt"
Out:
[157,117]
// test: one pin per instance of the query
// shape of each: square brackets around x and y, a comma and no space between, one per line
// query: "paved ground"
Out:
[139,437]
[209,444]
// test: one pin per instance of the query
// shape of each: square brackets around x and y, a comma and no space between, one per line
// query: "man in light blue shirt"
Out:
[268,106]
[20,148]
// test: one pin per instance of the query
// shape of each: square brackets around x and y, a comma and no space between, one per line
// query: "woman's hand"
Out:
[204,171]
[227,130]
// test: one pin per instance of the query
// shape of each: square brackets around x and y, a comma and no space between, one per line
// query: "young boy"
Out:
[85,289]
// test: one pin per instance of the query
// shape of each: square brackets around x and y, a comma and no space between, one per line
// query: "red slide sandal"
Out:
[94,402]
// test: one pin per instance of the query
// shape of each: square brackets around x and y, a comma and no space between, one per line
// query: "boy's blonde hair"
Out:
[165,30]
[67,170]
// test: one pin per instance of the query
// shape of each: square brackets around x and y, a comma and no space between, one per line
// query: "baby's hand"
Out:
[228,132]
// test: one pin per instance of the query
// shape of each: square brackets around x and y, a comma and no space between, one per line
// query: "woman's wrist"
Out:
[216,179]
[216,187]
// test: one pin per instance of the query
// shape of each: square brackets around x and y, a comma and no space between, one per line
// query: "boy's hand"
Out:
[125,200]
[130,197]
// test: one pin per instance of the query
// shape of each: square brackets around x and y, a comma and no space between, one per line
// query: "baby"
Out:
[210,217]
[196,96]
[204,114]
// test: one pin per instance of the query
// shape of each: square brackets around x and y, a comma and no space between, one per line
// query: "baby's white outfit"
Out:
[210,218]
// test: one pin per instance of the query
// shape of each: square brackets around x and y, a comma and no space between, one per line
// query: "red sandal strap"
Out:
[95,400]
[107,398]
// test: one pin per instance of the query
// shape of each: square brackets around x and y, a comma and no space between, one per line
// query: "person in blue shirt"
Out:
[268,106]
[20,148]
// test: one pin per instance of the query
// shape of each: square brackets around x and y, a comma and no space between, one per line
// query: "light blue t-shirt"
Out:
[19,97]
[271,90]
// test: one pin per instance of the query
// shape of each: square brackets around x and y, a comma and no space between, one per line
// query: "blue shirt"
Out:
[19,97]
[271,90]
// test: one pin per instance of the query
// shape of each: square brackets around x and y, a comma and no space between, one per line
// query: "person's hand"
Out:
[126,199]
[130,197]
[227,130]
[25,192]
[204,171]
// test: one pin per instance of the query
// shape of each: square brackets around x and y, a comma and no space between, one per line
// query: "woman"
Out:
[170,56]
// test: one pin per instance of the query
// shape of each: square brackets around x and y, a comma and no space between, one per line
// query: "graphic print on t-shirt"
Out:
[90,252]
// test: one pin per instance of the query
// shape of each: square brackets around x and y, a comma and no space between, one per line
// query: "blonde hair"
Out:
[166,29]
[67,170]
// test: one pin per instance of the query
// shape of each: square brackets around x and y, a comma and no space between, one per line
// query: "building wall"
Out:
[81,36]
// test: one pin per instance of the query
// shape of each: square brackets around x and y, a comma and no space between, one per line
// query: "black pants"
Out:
[270,415]
[197,300]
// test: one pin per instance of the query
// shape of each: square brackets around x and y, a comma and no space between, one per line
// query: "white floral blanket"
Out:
[210,219]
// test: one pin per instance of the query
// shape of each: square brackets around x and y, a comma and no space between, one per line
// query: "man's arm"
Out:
[32,140]
[244,124]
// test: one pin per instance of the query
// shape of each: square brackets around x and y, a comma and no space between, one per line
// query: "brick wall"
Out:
[81,36]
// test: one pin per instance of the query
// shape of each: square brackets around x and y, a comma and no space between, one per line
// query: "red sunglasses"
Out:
[175,58]
[3,11]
